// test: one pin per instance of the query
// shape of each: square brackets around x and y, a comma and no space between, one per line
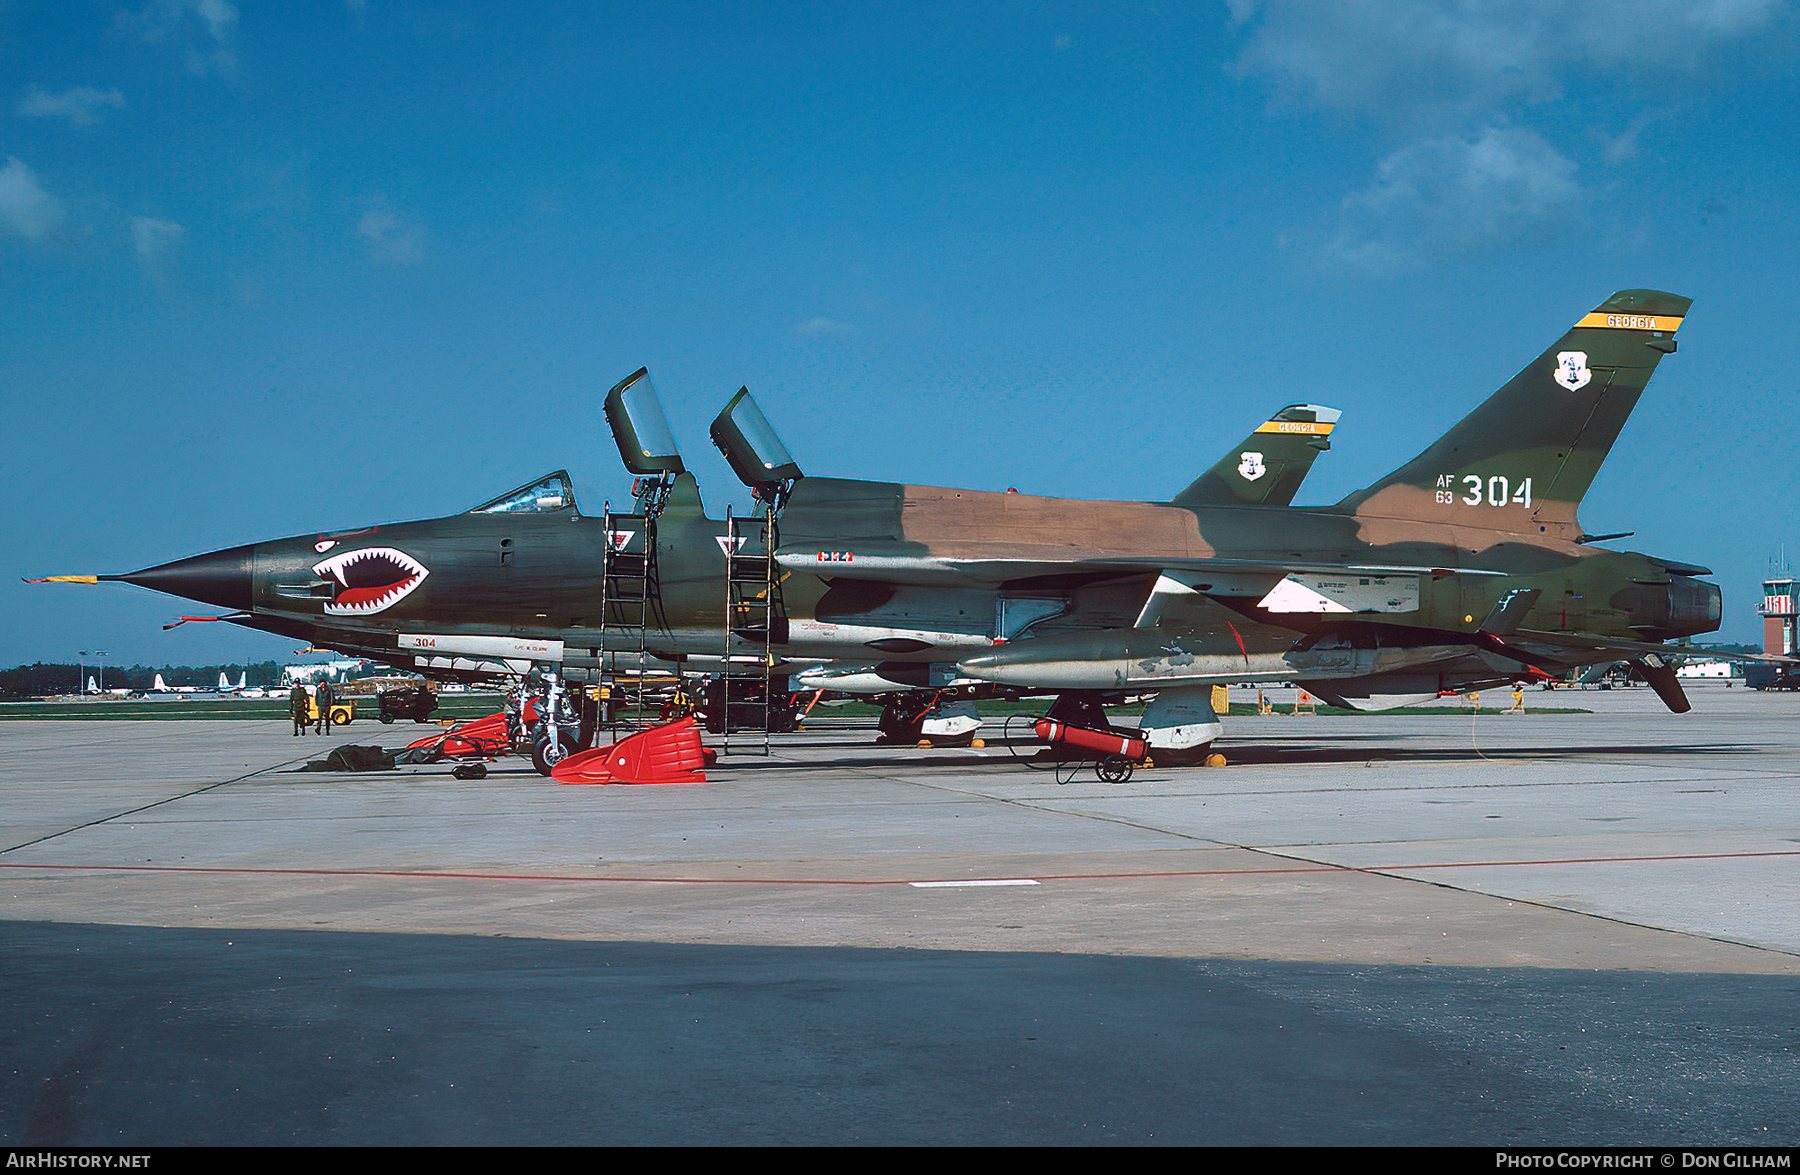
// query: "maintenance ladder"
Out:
[754,617]
[630,602]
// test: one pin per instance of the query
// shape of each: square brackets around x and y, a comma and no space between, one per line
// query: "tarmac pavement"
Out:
[1484,930]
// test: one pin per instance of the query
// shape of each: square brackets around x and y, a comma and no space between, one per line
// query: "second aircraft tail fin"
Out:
[1266,467]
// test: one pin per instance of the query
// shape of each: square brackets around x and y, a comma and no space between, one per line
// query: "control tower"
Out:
[1779,615]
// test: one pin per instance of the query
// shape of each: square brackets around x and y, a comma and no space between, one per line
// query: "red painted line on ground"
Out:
[1583,860]
[907,881]
[440,873]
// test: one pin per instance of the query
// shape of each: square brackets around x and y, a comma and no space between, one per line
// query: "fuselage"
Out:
[900,573]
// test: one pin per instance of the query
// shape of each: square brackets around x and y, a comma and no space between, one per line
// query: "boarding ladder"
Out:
[755,621]
[630,603]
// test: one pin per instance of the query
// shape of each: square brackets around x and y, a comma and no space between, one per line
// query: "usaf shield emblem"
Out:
[1572,370]
[1251,467]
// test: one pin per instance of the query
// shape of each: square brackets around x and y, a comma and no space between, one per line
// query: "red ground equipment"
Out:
[1105,743]
[479,738]
[662,754]
[1078,733]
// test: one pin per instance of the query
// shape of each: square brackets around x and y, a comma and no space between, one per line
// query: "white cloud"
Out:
[203,30]
[391,238]
[1617,149]
[78,104]
[1438,60]
[220,18]
[818,328]
[1442,198]
[25,208]
[153,237]
[1457,81]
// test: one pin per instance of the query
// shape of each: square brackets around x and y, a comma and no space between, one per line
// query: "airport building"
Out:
[309,673]
[1779,616]
[1716,670]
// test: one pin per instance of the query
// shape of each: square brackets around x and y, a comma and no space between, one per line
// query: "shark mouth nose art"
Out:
[369,580]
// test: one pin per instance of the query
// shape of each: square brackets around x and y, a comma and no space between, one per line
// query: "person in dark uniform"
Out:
[325,695]
[299,708]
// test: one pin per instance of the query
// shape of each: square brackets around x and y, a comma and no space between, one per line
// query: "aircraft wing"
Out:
[902,564]
[1651,659]
[1632,650]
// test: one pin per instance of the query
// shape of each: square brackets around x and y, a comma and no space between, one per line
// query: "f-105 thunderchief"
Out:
[1464,568]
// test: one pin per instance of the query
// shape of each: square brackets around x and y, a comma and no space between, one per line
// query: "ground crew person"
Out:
[325,696]
[299,707]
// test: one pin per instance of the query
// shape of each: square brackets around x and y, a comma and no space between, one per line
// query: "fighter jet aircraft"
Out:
[1465,567]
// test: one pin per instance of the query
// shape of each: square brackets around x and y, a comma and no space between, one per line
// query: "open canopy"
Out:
[749,443]
[639,428]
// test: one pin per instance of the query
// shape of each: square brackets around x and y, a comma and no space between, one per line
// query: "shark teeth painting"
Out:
[369,580]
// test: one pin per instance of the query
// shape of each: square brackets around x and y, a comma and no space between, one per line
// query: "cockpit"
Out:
[547,495]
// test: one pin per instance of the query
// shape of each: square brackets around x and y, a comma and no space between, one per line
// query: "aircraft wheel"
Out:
[900,726]
[908,735]
[544,756]
[1113,769]
[469,771]
[1184,757]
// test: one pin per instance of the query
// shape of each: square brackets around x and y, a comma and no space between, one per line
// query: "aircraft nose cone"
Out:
[224,578]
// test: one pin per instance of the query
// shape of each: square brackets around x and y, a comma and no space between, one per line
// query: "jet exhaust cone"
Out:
[223,578]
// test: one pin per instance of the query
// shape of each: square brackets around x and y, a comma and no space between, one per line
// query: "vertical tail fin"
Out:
[1522,460]
[1266,467]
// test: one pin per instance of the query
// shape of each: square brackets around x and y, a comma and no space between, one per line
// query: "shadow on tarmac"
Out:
[1338,750]
[130,1036]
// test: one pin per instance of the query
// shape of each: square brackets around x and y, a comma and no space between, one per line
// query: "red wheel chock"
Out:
[662,754]
[476,738]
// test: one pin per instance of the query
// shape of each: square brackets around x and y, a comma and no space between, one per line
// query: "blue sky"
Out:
[268,269]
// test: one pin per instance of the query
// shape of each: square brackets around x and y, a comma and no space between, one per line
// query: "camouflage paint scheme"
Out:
[535,574]
[1464,567]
